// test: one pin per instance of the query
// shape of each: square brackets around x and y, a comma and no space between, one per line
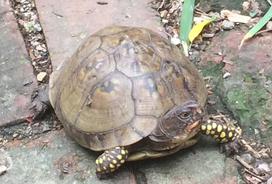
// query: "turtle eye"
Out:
[185,115]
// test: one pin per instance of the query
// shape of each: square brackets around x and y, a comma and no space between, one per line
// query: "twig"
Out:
[256,176]
[263,31]
[249,148]
[161,5]
[246,165]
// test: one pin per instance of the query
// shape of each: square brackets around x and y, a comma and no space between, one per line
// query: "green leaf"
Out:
[257,27]
[186,21]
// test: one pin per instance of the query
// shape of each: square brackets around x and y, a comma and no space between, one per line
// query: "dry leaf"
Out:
[235,17]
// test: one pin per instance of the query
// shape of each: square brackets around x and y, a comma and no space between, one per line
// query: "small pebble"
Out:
[263,167]
[175,41]
[165,21]
[247,158]
[37,27]
[3,169]
[227,25]
[15,135]
[246,6]
[269,25]
[269,181]
[226,75]
[163,13]
[41,76]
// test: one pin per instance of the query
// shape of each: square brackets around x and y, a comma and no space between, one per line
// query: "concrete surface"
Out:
[67,22]
[56,159]
[16,75]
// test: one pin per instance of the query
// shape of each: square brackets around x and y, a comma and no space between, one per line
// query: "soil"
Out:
[32,31]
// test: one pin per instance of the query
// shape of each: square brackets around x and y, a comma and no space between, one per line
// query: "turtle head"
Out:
[179,124]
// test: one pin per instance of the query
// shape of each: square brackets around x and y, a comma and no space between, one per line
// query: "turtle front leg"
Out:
[110,161]
[225,131]
[221,129]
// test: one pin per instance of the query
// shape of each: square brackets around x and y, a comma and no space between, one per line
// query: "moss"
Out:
[213,70]
[249,105]
[244,96]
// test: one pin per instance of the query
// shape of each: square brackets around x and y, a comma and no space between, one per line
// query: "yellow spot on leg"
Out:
[98,169]
[100,160]
[219,128]
[203,127]
[114,161]
[212,132]
[208,132]
[209,127]
[214,125]
[239,131]
[119,157]
[112,166]
[230,134]
[223,140]
[122,161]
[96,161]
[123,152]
[223,135]
[215,136]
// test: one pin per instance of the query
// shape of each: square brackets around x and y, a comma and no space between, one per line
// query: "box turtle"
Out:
[130,93]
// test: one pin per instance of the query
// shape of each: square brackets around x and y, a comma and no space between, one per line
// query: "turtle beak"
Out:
[190,131]
[195,125]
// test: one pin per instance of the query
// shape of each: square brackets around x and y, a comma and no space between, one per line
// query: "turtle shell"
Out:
[117,85]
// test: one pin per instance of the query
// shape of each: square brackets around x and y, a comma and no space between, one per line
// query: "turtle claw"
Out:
[231,148]
[104,176]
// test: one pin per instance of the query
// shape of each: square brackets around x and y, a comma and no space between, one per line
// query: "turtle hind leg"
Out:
[40,102]
[110,161]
